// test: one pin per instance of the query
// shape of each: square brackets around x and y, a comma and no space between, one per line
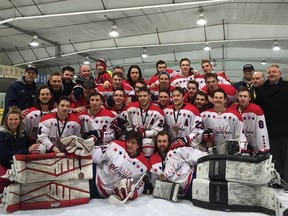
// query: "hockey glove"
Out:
[180,142]
[141,131]
[118,125]
[122,188]
[96,134]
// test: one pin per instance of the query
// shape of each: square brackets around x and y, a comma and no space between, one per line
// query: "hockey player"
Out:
[172,170]
[255,128]
[118,166]
[212,84]
[201,101]
[164,84]
[225,123]
[100,116]
[83,103]
[117,82]
[183,119]
[44,105]
[118,101]
[57,125]
[183,78]
[207,68]
[164,99]
[145,117]
[192,90]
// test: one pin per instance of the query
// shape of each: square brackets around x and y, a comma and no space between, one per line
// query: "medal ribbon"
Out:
[146,115]
[178,113]
[58,126]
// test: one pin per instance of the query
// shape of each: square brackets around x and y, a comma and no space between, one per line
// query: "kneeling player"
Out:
[118,166]
[172,170]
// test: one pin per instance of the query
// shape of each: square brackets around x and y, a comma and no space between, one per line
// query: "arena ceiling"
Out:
[238,32]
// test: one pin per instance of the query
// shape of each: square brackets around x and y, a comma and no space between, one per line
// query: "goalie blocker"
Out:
[231,196]
[233,168]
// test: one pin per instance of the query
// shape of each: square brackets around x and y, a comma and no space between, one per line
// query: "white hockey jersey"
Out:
[99,122]
[151,121]
[255,128]
[220,77]
[225,126]
[49,127]
[188,122]
[31,121]
[181,81]
[114,164]
[178,166]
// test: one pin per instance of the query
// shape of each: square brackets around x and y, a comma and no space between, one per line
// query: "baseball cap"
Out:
[31,67]
[248,67]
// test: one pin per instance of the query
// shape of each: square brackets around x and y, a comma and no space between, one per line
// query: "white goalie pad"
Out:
[166,190]
[231,196]
[48,194]
[249,170]
[51,166]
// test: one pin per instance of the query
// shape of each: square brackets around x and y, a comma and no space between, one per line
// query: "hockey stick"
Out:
[114,200]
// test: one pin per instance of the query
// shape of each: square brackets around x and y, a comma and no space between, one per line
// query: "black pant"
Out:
[279,150]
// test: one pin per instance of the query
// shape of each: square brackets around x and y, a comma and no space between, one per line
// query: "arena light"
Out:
[201,20]
[276,46]
[34,42]
[114,32]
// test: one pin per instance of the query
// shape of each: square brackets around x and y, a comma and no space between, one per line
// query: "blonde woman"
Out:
[13,140]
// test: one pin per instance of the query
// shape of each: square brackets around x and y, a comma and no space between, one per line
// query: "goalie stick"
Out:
[114,200]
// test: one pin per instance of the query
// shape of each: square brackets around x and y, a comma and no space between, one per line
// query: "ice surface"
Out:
[143,206]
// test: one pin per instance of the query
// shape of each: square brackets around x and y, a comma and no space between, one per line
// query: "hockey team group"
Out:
[180,135]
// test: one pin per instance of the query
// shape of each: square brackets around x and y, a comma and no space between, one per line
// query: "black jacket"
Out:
[273,99]
[11,145]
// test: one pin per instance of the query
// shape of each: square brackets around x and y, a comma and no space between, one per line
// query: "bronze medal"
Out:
[162,177]
[175,128]
[81,175]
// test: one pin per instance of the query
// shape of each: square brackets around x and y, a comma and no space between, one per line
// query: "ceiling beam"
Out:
[113,10]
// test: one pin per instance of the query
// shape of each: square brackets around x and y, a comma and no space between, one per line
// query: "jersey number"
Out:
[261,124]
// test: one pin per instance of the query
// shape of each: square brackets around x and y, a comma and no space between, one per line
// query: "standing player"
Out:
[201,101]
[57,125]
[145,117]
[255,128]
[118,101]
[192,89]
[225,123]
[44,105]
[183,78]
[183,119]
[212,84]
[207,68]
[101,117]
